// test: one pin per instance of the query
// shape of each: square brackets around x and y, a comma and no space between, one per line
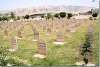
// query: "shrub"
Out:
[87,45]
[62,14]
[69,15]
[56,15]
[94,14]
[26,17]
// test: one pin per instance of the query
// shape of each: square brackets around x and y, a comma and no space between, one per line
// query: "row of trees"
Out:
[59,15]
[7,17]
[48,16]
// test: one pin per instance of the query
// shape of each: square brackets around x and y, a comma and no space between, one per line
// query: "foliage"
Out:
[95,14]
[26,17]
[57,15]
[87,46]
[49,16]
[62,14]
[5,18]
[6,58]
[69,15]
[12,15]
[90,18]
[18,18]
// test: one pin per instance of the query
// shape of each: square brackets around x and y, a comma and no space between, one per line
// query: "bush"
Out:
[18,18]
[62,14]
[90,18]
[26,17]
[56,15]
[5,18]
[12,15]
[69,15]
[87,49]
[6,58]
[94,14]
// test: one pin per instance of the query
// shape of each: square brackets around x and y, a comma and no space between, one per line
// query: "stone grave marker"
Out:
[60,39]
[36,36]
[6,33]
[19,35]
[48,31]
[14,45]
[41,51]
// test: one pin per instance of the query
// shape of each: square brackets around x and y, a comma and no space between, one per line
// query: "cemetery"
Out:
[51,42]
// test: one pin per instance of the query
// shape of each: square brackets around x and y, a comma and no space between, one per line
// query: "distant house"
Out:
[86,13]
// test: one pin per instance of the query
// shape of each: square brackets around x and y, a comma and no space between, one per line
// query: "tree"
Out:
[42,16]
[18,18]
[57,15]
[26,17]
[94,14]
[62,14]
[69,15]
[5,18]
[12,15]
[0,18]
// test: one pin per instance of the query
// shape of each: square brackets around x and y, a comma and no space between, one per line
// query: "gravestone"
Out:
[41,51]
[48,31]
[60,39]
[36,36]
[19,35]
[14,46]
[6,33]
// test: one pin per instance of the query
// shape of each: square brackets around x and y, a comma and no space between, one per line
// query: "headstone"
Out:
[41,51]
[14,46]
[19,35]
[6,32]
[36,36]
[60,39]
[48,31]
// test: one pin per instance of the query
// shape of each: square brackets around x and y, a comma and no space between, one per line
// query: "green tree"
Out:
[5,18]
[69,15]
[94,14]
[0,18]
[12,15]
[57,15]
[26,17]
[62,14]
[18,18]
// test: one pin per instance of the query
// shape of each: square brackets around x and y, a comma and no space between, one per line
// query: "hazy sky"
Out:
[13,4]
